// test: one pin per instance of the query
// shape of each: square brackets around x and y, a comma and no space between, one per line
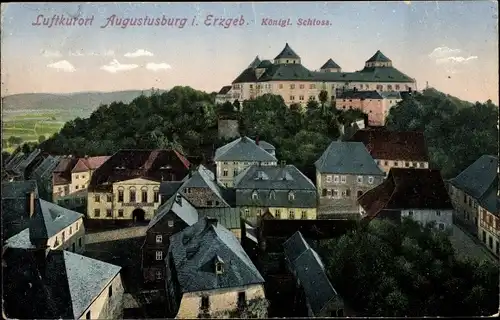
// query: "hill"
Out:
[68,106]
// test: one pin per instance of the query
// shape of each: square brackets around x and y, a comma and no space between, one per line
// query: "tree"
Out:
[255,309]
[323,98]
[237,105]
[41,138]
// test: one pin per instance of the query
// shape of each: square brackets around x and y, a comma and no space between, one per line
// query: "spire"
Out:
[379,57]
[330,64]
[287,53]
[254,63]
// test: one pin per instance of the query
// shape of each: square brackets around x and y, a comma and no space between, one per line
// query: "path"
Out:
[465,246]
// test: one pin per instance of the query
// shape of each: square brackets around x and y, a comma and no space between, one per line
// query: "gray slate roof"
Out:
[49,219]
[255,63]
[330,64]
[287,52]
[168,188]
[185,210]
[204,178]
[65,290]
[18,189]
[29,159]
[273,185]
[379,57]
[243,149]
[347,158]
[308,268]
[478,179]
[490,200]
[228,217]
[46,168]
[20,240]
[195,250]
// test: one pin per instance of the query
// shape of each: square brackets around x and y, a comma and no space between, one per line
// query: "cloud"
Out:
[443,52]
[51,54]
[445,55]
[62,65]
[455,60]
[158,66]
[108,53]
[115,66]
[76,54]
[138,53]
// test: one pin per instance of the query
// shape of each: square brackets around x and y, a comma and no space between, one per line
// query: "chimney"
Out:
[257,140]
[212,221]
[178,199]
[30,203]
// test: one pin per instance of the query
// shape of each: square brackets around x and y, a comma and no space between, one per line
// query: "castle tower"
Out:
[287,56]
[378,60]
[330,66]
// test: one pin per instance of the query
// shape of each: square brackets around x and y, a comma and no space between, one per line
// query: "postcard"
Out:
[250,159]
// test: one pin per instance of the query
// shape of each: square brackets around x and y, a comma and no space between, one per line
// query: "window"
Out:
[438,213]
[417,164]
[255,195]
[73,247]
[490,242]
[291,196]
[132,195]
[120,195]
[156,196]
[328,178]
[97,198]
[242,301]
[209,202]
[280,86]
[336,179]
[410,213]
[292,86]
[291,214]
[247,212]
[120,213]
[205,303]
[343,179]
[370,180]
[110,291]
[359,179]
[224,173]
[395,163]
[347,192]
[360,193]
[312,86]
[251,86]
[158,275]
[441,226]
[159,255]
[187,190]
[292,98]
[109,198]
[301,86]
[219,267]
[216,203]
[159,238]
[109,213]
[397,87]
[77,186]
[97,212]
[301,98]
[235,172]
[272,195]
[70,230]
[170,223]
[335,193]
[484,236]
[144,196]
[323,193]
[407,164]
[304,214]
[77,177]
[87,315]
[63,236]
[80,242]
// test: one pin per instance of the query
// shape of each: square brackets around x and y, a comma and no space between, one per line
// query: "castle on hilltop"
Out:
[286,76]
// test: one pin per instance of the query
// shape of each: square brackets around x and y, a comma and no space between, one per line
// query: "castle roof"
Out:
[330,64]
[287,52]
[254,63]
[379,57]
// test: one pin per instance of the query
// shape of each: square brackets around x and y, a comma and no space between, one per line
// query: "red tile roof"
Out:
[393,145]
[89,163]
[407,189]
[159,165]
[62,173]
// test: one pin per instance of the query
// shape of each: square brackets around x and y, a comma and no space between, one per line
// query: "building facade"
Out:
[344,172]
[287,77]
[281,190]
[236,156]
[394,149]
[127,186]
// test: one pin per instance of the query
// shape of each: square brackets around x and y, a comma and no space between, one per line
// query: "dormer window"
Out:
[255,195]
[272,195]
[166,167]
[219,265]
[291,196]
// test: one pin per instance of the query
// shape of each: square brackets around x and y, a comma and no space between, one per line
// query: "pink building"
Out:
[374,103]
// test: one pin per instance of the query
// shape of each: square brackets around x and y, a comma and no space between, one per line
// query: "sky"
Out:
[452,45]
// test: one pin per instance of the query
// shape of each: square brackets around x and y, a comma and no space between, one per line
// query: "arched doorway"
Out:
[138,215]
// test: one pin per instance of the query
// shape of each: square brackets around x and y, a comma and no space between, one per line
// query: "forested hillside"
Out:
[457,132]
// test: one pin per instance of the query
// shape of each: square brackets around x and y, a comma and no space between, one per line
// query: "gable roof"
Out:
[179,206]
[287,52]
[89,163]
[228,217]
[347,158]
[490,199]
[477,178]
[204,178]
[310,271]
[18,189]
[254,63]
[195,250]
[168,188]
[46,167]
[393,145]
[224,90]
[407,189]
[29,159]
[66,287]
[330,64]
[49,219]
[62,173]
[129,164]
[378,57]
[276,177]
[242,149]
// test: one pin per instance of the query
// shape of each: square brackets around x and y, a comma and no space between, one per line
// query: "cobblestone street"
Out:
[465,246]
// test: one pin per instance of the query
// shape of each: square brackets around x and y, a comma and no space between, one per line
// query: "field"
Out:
[18,128]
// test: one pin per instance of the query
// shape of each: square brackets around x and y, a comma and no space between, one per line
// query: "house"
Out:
[53,226]
[173,216]
[374,103]
[282,190]
[304,263]
[416,193]
[288,77]
[489,219]
[18,200]
[344,171]
[168,189]
[236,156]
[61,177]
[201,188]
[228,217]
[471,192]
[222,95]
[126,187]
[43,176]
[57,284]
[20,166]
[394,149]
[208,271]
